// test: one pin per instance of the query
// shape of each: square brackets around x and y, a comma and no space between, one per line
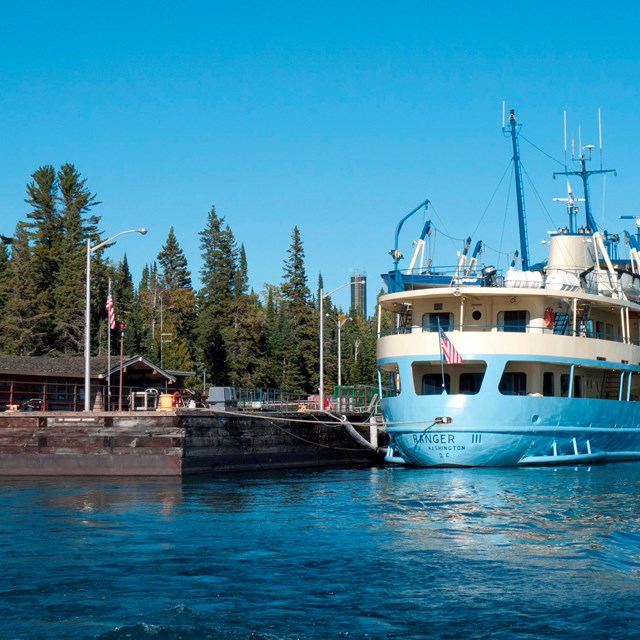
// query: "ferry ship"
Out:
[539,365]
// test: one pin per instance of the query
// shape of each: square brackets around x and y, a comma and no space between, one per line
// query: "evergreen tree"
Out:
[246,349]
[21,321]
[139,338]
[173,265]
[297,305]
[178,303]
[76,227]
[216,298]
[5,275]
[42,236]
[124,301]
[54,244]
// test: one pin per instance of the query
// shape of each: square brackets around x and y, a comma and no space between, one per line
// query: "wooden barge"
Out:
[179,442]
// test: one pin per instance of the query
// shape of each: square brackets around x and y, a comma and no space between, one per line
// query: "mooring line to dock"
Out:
[314,419]
[317,444]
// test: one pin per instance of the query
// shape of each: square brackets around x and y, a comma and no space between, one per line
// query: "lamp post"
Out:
[87,312]
[322,297]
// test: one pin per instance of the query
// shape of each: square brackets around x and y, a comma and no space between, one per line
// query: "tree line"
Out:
[224,331]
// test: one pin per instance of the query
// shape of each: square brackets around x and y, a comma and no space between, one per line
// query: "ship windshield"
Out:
[434,378]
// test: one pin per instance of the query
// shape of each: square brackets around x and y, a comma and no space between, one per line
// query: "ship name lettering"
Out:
[439,438]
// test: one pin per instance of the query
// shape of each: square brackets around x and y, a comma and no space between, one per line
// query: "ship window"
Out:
[432,384]
[513,321]
[548,388]
[605,331]
[564,385]
[470,382]
[430,321]
[577,387]
[390,380]
[513,383]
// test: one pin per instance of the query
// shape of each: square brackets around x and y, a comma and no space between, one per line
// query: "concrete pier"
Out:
[176,443]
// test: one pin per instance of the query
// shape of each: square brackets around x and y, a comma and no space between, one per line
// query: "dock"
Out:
[181,442]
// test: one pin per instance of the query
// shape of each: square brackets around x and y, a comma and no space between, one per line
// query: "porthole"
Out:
[476,315]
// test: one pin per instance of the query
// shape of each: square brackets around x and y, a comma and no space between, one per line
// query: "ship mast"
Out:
[584,174]
[522,218]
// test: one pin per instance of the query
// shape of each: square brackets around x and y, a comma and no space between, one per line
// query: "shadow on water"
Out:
[376,553]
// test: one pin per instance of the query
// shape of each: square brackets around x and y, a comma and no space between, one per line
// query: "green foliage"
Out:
[298,326]
[215,299]
[176,335]
[47,265]
[224,331]
[21,323]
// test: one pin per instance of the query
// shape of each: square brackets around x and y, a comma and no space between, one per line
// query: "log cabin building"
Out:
[43,383]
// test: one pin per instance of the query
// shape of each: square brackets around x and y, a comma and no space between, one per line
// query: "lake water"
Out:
[351,554]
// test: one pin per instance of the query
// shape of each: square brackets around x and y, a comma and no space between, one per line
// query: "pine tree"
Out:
[139,337]
[42,235]
[124,301]
[55,234]
[178,302]
[173,265]
[301,316]
[5,275]
[215,299]
[21,321]
[76,227]
[246,347]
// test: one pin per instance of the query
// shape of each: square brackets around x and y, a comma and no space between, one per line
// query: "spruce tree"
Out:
[21,321]
[301,317]
[76,225]
[5,275]
[41,247]
[140,328]
[124,302]
[246,347]
[215,299]
[57,228]
[178,301]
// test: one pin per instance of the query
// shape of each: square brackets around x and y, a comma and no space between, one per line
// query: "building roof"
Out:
[64,366]
[137,363]
[73,367]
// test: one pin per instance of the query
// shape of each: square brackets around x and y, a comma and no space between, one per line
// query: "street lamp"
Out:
[322,297]
[87,312]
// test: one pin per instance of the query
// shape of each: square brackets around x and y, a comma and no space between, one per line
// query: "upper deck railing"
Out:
[585,330]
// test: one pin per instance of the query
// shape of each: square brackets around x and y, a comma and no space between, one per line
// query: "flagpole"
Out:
[109,356]
[444,388]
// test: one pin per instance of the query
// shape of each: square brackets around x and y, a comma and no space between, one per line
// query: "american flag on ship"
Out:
[451,354]
[110,310]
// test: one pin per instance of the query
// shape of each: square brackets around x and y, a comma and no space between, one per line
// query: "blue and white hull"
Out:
[498,441]
[527,395]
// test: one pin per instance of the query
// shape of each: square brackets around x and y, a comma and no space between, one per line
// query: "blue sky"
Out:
[335,117]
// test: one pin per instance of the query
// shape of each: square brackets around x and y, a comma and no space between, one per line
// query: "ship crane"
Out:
[419,247]
[473,261]
[634,242]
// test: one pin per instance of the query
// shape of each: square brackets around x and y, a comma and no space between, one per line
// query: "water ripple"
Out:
[355,554]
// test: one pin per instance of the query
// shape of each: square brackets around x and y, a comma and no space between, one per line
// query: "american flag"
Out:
[110,310]
[451,355]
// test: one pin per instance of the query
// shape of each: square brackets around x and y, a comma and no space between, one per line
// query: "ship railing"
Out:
[583,331]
